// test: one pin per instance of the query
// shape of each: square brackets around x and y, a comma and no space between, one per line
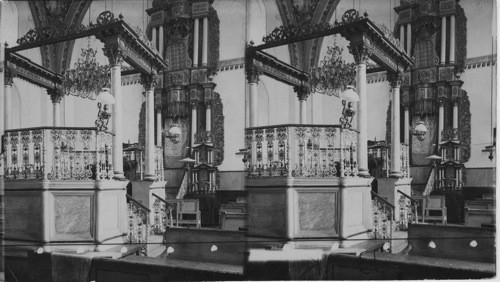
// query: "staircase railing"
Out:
[408,212]
[163,214]
[138,222]
[383,219]
[430,184]
[183,188]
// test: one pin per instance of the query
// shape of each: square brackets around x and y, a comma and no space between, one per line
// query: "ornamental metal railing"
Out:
[408,211]
[57,154]
[138,219]
[137,156]
[405,160]
[163,212]
[383,219]
[301,151]
[159,169]
[383,153]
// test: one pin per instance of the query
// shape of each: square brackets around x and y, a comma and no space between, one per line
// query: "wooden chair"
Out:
[435,209]
[188,212]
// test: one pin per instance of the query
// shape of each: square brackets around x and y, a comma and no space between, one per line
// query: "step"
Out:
[155,245]
[399,242]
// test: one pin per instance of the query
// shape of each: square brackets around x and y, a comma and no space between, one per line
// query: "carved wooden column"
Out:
[204,54]
[408,39]
[405,102]
[395,82]
[9,80]
[208,93]
[148,81]
[196,39]
[452,39]
[159,119]
[115,56]
[153,35]
[56,96]
[303,93]
[402,35]
[440,119]
[161,45]
[193,97]
[456,90]
[443,40]
[253,80]
[360,53]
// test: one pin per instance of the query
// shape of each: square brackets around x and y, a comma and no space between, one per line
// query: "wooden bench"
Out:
[480,212]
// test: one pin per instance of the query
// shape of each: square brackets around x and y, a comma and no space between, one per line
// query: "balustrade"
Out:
[138,155]
[405,160]
[408,212]
[139,227]
[301,151]
[57,153]
[383,219]
[384,153]
[203,137]
[163,214]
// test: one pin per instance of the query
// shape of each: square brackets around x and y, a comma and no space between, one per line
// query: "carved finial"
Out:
[252,42]
[120,16]
[365,14]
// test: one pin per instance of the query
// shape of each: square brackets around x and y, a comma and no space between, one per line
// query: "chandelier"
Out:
[333,75]
[88,78]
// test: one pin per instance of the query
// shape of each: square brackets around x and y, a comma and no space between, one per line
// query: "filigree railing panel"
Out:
[136,159]
[183,188]
[138,219]
[52,153]
[301,151]
[408,212]
[159,170]
[405,160]
[381,154]
[383,219]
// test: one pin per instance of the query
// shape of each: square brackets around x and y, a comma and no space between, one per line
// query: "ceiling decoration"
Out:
[304,55]
[58,14]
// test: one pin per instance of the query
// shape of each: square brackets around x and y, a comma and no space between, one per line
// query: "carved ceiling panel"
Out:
[304,55]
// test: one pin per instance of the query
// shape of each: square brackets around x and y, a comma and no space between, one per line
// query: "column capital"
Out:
[360,51]
[114,53]
[148,81]
[253,73]
[55,94]
[395,79]
[303,91]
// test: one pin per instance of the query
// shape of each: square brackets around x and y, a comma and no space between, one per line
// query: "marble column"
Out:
[443,40]
[253,74]
[407,125]
[408,39]
[56,97]
[402,36]
[196,39]
[395,82]
[360,53]
[9,80]
[115,56]
[153,35]
[148,81]
[440,119]
[204,54]
[452,39]
[303,92]
[161,47]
